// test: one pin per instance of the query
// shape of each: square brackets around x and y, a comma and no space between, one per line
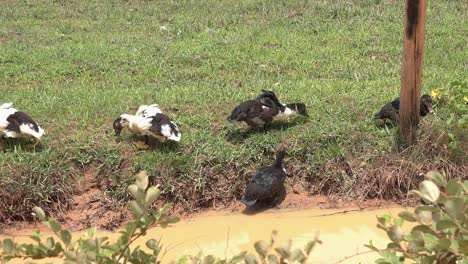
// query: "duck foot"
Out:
[141,145]
[34,145]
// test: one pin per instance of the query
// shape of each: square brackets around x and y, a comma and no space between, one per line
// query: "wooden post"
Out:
[411,70]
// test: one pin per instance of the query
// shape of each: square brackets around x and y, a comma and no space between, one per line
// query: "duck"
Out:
[17,124]
[391,110]
[267,183]
[255,113]
[285,110]
[148,121]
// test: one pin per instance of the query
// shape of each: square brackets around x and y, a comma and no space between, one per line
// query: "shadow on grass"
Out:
[263,206]
[239,135]
[155,145]
[19,144]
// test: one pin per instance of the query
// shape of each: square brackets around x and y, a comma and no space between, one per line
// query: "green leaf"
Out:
[445,243]
[69,255]
[454,188]
[36,236]
[91,256]
[309,246]
[91,232]
[394,246]
[415,245]
[430,241]
[66,236]
[422,229]
[408,216]
[429,191]
[135,192]
[151,195]
[239,257]
[445,224]
[261,247]
[39,213]
[173,220]
[455,208]
[142,180]
[273,259]
[274,235]
[454,245]
[50,243]
[414,192]
[166,208]
[372,247]
[54,225]
[250,259]
[136,209]
[283,251]
[426,208]
[152,244]
[208,259]
[437,178]
[385,219]
[130,228]
[398,221]
[424,216]
[395,233]
[297,255]
[8,246]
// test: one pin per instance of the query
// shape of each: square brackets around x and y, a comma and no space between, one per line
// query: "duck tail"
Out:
[236,115]
[272,96]
[6,105]
[248,202]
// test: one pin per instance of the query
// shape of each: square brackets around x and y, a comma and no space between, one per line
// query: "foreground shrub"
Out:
[92,249]
[441,231]
[267,253]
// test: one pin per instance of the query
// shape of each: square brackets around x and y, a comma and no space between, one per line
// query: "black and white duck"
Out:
[285,110]
[256,113]
[267,183]
[16,124]
[149,120]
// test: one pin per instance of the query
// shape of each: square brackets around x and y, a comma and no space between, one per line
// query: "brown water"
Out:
[223,234]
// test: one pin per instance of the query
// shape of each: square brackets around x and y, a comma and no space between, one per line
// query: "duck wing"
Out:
[162,126]
[388,111]
[266,183]
[246,110]
[271,96]
[396,103]
[19,118]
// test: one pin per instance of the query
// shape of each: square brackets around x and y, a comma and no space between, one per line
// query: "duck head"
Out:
[299,108]
[120,123]
[426,105]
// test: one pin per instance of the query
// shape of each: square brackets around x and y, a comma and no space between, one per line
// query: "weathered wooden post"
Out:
[411,70]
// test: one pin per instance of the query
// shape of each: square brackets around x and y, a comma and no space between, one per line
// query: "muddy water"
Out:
[343,234]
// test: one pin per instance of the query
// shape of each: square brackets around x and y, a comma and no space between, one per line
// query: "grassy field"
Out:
[77,65]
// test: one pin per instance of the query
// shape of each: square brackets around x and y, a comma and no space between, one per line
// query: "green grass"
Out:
[76,65]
